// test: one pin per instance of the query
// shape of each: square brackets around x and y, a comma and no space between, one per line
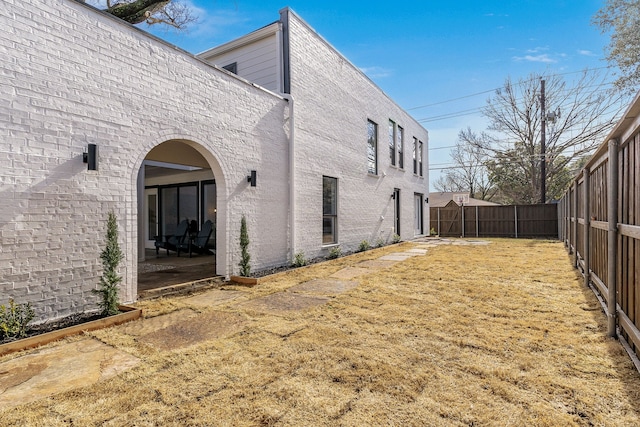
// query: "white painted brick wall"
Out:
[334,100]
[70,76]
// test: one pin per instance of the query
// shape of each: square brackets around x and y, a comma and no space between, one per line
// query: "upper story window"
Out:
[400,146]
[233,67]
[392,142]
[417,156]
[372,147]
[420,154]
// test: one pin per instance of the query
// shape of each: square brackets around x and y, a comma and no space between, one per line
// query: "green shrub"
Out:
[14,319]
[364,246]
[396,238]
[111,257]
[433,232]
[245,265]
[379,242]
[299,260]
[335,252]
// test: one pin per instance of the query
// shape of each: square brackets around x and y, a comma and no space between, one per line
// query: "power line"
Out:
[502,87]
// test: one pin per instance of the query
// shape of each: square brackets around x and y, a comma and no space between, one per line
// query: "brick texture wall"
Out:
[70,76]
[334,100]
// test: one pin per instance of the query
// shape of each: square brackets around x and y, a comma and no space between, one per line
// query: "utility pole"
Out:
[543,143]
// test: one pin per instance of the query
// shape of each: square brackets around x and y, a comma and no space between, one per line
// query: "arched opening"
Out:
[178,216]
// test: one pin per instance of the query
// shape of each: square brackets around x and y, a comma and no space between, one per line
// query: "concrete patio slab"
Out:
[350,272]
[59,369]
[283,301]
[418,251]
[376,263]
[148,325]
[395,257]
[324,286]
[191,331]
[214,297]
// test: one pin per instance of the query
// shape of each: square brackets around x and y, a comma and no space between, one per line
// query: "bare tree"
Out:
[174,13]
[622,19]
[470,173]
[580,117]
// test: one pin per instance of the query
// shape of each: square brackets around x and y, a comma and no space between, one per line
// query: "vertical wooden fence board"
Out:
[534,221]
[572,219]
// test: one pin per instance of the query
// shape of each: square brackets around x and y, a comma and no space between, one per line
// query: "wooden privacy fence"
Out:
[599,218]
[519,221]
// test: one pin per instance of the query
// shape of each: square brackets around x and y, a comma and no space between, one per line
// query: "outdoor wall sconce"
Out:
[90,157]
[252,178]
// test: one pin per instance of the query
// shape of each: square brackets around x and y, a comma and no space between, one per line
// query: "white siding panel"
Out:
[257,62]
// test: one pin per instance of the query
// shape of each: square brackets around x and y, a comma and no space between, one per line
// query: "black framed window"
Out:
[400,146]
[329,210]
[372,147]
[392,142]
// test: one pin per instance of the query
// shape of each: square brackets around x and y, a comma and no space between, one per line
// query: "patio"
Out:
[162,274]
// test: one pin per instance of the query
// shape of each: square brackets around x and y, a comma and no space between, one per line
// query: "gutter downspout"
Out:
[292,174]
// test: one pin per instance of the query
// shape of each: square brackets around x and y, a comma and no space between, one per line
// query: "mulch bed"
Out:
[65,322]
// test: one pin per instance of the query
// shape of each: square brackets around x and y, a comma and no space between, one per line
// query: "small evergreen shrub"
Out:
[245,259]
[335,252]
[111,257]
[14,319]
[396,238]
[379,242]
[364,246]
[433,232]
[299,260]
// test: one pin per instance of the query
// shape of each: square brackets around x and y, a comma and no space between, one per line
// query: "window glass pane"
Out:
[392,142]
[152,219]
[400,143]
[329,209]
[169,209]
[328,230]
[209,203]
[420,158]
[415,155]
[372,147]
[329,190]
[188,202]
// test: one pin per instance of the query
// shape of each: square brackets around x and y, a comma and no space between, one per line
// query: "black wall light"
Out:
[252,178]
[90,157]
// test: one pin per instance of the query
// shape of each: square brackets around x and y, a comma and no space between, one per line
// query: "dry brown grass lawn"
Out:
[503,334]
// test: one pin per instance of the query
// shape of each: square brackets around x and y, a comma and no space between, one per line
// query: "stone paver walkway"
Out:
[66,366]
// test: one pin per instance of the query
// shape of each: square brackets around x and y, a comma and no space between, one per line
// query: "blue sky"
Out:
[428,52]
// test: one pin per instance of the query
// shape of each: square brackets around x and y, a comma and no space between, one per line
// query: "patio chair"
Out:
[173,242]
[200,241]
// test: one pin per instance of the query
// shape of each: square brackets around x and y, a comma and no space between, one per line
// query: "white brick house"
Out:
[177,137]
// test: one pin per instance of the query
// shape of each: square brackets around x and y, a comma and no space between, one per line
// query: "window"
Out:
[420,158]
[400,146]
[392,142]
[233,67]
[415,155]
[177,202]
[372,147]
[329,210]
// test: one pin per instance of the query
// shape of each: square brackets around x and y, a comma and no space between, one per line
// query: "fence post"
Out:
[515,219]
[462,219]
[438,222]
[587,226]
[612,235]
